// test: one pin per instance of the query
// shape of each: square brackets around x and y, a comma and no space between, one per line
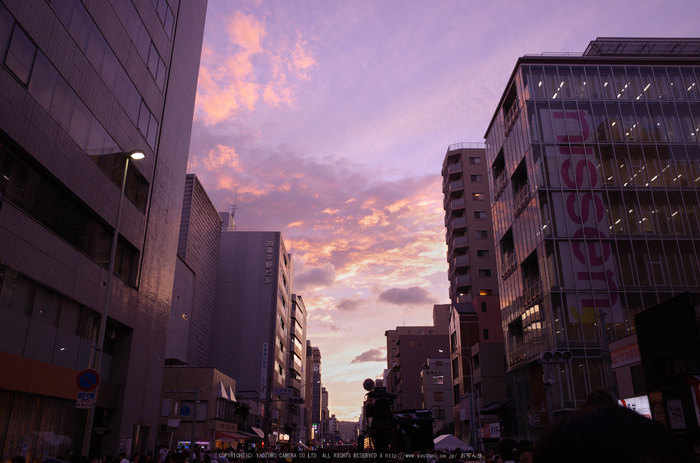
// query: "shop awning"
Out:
[249,435]
[258,431]
[229,435]
[496,406]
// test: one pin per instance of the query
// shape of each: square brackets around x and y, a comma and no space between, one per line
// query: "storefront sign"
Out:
[675,414]
[657,407]
[639,404]
[625,356]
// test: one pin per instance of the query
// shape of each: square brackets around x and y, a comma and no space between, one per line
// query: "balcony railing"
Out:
[457,203]
[454,167]
[462,260]
[522,197]
[463,279]
[460,241]
[466,145]
[533,293]
[516,355]
[457,185]
[512,116]
[459,222]
[508,264]
[500,185]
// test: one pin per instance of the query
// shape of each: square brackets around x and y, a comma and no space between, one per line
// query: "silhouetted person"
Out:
[609,434]
[506,449]
[524,452]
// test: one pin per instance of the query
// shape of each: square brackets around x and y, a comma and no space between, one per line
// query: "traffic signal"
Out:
[557,356]
[296,400]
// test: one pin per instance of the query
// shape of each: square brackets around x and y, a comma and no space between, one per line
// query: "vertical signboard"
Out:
[571,165]
[263,369]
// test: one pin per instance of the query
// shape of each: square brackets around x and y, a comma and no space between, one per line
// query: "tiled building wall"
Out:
[201,225]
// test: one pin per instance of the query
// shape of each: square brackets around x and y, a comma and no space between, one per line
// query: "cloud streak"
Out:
[414,295]
[372,355]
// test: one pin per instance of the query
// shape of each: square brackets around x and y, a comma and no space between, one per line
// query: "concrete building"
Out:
[216,426]
[77,88]
[475,331]
[412,346]
[315,392]
[470,248]
[594,165]
[436,390]
[194,291]
[297,370]
[253,313]
[325,435]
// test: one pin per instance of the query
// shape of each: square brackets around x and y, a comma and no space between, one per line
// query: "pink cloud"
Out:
[246,31]
[247,67]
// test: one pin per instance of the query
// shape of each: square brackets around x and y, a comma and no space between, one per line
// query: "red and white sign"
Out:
[625,356]
[572,165]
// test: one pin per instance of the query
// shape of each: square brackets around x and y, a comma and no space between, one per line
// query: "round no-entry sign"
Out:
[87,380]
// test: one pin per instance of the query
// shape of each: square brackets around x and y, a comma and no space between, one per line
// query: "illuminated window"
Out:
[438,379]
[478,196]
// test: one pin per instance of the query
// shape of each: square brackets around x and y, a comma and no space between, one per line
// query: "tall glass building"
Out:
[594,168]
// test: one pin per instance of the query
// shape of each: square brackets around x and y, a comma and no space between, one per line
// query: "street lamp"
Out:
[135,154]
[472,418]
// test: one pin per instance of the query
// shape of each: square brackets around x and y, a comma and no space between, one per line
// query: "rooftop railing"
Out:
[466,145]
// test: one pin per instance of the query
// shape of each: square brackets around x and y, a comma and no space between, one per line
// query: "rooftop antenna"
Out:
[232,214]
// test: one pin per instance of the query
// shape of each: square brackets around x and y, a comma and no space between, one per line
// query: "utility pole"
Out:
[195,412]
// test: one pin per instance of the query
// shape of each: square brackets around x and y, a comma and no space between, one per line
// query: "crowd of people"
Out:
[600,432]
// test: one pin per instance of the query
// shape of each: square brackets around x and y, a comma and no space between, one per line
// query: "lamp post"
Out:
[135,154]
[472,404]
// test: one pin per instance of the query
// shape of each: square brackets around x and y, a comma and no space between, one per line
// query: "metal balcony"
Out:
[508,264]
[465,279]
[522,198]
[499,185]
[511,117]
[533,293]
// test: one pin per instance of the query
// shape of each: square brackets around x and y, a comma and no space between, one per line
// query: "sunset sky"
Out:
[331,120]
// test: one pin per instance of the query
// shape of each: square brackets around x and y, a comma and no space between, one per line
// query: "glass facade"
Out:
[594,171]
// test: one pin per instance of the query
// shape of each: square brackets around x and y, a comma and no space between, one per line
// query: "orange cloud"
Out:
[248,68]
[221,157]
[246,31]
